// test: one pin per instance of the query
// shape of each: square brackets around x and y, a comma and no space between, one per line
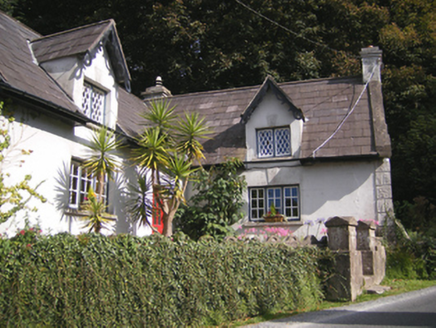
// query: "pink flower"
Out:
[323,231]
[23,232]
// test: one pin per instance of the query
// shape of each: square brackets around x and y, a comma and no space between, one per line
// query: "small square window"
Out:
[80,182]
[93,102]
[274,142]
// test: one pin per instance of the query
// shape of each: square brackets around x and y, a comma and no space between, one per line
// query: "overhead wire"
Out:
[298,35]
[347,115]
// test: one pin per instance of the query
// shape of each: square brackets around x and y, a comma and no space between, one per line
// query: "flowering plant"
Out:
[273,214]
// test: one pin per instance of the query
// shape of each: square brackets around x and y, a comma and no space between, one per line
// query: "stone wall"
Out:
[361,257]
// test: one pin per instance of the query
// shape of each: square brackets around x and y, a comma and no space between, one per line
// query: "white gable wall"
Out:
[326,189]
[272,113]
[53,143]
[72,72]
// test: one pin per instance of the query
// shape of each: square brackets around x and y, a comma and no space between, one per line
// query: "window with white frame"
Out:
[93,102]
[80,182]
[286,200]
[274,142]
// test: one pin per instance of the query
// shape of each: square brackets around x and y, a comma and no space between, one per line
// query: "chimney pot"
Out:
[371,61]
[157,91]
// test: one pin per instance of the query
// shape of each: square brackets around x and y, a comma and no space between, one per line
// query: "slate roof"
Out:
[323,102]
[81,41]
[69,43]
[21,75]
[18,70]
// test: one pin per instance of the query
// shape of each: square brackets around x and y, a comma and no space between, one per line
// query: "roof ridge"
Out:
[20,23]
[45,37]
[190,94]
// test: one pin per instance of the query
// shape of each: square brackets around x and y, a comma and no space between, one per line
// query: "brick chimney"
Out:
[157,91]
[371,57]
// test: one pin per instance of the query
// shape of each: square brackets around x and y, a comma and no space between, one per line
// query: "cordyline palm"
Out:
[152,151]
[96,219]
[159,150]
[189,131]
[160,114]
[173,190]
[101,163]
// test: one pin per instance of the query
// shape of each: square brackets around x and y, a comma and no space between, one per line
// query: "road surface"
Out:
[413,309]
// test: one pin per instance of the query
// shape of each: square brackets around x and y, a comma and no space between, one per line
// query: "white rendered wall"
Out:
[271,113]
[53,144]
[326,190]
[72,72]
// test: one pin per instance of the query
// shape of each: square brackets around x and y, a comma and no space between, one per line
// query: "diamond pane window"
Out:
[286,200]
[282,141]
[93,102]
[274,142]
[265,143]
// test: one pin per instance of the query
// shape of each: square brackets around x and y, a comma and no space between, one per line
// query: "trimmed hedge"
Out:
[91,280]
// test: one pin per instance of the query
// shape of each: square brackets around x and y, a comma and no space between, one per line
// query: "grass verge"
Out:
[398,286]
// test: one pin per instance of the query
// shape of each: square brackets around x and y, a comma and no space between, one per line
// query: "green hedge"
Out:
[92,280]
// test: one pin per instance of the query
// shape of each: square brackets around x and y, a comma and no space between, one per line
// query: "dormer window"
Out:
[93,102]
[274,142]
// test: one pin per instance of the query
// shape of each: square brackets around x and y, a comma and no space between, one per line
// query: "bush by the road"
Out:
[91,280]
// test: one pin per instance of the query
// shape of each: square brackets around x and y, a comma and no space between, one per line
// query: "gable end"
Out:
[270,84]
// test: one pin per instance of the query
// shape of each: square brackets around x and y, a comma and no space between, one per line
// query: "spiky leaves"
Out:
[97,217]
[189,131]
[170,149]
[102,160]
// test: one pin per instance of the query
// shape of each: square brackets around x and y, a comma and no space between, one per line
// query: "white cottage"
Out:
[315,149]
[60,87]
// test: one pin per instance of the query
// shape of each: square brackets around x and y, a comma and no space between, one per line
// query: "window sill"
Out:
[79,213]
[252,224]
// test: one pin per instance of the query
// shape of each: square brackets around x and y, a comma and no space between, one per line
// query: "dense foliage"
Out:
[216,203]
[92,280]
[203,45]
[412,258]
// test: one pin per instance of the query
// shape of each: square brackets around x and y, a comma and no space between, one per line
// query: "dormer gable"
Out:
[273,124]
[269,84]
[88,63]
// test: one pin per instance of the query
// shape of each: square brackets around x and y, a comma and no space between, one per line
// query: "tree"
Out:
[102,164]
[13,197]
[202,45]
[217,201]
[169,156]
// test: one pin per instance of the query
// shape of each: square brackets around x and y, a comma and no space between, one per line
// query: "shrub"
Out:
[93,280]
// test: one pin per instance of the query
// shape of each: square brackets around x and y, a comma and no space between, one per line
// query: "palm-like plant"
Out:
[160,114]
[101,163]
[96,209]
[170,152]
[189,131]
[152,151]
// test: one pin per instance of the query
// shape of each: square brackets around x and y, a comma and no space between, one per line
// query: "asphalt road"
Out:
[413,309]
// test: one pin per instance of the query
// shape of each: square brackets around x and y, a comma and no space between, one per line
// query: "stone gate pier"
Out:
[361,257]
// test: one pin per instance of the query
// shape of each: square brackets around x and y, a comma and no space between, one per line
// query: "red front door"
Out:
[157,216]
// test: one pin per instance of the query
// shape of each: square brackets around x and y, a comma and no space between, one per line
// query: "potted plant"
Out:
[273,215]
